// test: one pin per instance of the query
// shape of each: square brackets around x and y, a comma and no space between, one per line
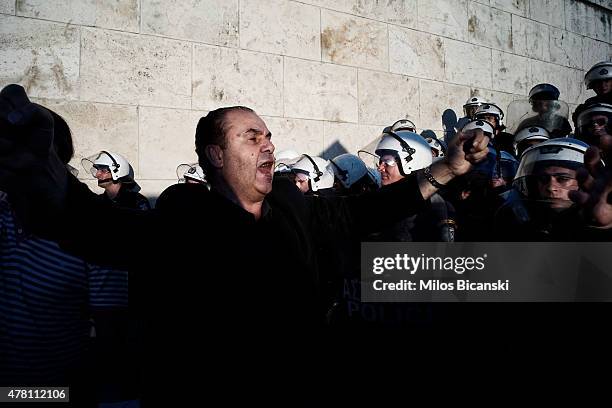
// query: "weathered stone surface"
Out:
[283,27]
[208,21]
[75,12]
[416,54]
[437,97]
[551,12]
[530,38]
[99,126]
[119,15]
[355,41]
[489,27]
[7,6]
[320,91]
[385,98]
[40,55]
[400,12]
[467,64]
[583,18]
[340,138]
[131,69]
[576,90]
[223,77]
[510,73]
[303,136]
[444,17]
[566,48]
[166,139]
[594,51]
[511,6]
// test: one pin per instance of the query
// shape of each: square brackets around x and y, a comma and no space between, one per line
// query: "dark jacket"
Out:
[127,198]
[224,293]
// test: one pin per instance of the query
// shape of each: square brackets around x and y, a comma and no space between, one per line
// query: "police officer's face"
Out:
[603,86]
[598,125]
[104,177]
[248,157]
[470,110]
[389,171]
[492,119]
[555,183]
[301,181]
[541,106]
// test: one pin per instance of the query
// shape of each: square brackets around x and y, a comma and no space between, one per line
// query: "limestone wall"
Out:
[134,76]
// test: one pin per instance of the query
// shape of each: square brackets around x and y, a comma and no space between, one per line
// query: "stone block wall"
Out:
[134,76]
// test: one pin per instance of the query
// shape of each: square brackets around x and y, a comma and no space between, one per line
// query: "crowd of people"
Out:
[255,250]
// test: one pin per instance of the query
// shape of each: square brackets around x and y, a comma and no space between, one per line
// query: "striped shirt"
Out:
[46,300]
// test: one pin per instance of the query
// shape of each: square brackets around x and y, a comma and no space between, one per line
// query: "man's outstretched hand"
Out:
[464,151]
[595,180]
[467,149]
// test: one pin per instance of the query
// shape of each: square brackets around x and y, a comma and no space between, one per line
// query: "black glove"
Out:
[31,173]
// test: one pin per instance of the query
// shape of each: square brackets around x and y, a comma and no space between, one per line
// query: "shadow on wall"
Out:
[450,123]
[334,150]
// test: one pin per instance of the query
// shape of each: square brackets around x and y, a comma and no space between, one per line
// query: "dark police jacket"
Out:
[128,199]
[226,294]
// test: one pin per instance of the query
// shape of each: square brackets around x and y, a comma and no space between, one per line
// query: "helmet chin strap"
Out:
[106,180]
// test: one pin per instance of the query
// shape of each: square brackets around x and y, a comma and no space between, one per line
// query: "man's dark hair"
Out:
[62,138]
[211,131]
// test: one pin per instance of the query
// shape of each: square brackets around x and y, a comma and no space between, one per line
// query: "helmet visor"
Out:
[592,125]
[549,114]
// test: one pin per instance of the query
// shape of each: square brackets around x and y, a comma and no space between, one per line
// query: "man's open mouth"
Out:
[266,165]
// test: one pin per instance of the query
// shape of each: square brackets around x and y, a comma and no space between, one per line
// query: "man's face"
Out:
[301,180]
[598,125]
[555,183]
[470,110]
[248,156]
[492,119]
[603,86]
[389,170]
[104,177]
[541,106]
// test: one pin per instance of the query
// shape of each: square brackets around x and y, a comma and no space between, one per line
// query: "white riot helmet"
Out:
[318,170]
[437,145]
[525,136]
[565,153]
[117,165]
[410,150]
[472,104]
[348,169]
[120,170]
[594,121]
[402,124]
[598,72]
[491,109]
[284,160]
[192,172]
[485,126]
